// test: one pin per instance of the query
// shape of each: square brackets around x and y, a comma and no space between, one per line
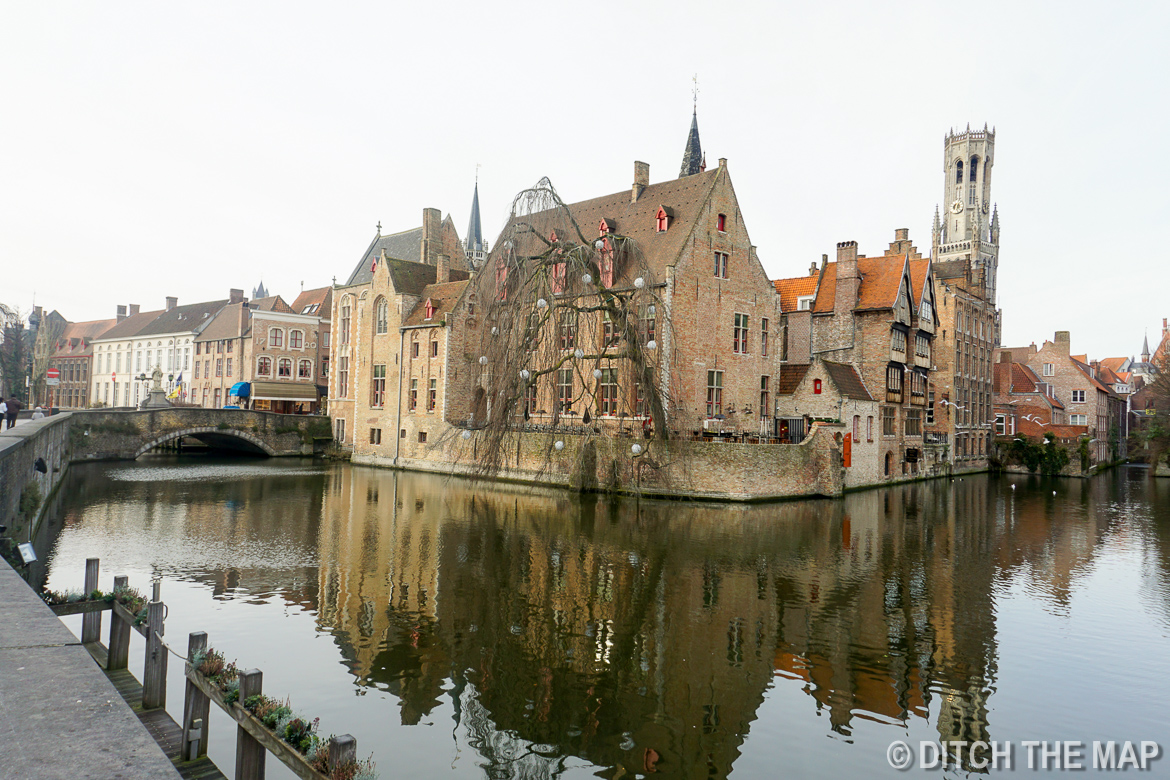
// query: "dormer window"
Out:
[429,309]
[721,223]
[606,227]
[661,220]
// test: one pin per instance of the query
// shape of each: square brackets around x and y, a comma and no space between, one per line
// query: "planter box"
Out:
[79,607]
[286,753]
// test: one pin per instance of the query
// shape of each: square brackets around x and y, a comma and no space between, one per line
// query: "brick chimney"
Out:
[121,313]
[845,297]
[443,269]
[641,180]
[172,302]
[812,269]
[1063,342]
[432,236]
[235,296]
[134,309]
[1005,357]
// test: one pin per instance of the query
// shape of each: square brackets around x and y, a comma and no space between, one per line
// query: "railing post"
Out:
[342,750]
[249,753]
[196,706]
[119,655]
[91,622]
[154,676]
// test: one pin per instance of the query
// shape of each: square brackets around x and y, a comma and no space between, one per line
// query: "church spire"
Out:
[692,161]
[1146,349]
[475,246]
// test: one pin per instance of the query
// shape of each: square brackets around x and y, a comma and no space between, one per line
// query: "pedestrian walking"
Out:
[12,408]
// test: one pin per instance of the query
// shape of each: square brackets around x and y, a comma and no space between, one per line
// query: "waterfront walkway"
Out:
[60,716]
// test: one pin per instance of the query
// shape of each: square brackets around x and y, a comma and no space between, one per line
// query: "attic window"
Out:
[661,220]
[605,227]
[804,302]
[721,223]
[429,309]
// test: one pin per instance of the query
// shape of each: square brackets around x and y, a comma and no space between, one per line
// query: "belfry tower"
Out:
[967,230]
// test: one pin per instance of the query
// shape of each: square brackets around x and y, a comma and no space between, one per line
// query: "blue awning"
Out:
[241,390]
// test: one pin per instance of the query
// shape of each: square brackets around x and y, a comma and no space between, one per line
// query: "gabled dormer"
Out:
[428,310]
[663,217]
[606,227]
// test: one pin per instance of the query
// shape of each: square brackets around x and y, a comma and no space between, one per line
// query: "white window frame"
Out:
[1049,369]
[1078,396]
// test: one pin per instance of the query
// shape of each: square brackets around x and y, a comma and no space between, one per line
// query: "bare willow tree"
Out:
[570,342]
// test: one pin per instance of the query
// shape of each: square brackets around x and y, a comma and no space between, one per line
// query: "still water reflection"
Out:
[506,632]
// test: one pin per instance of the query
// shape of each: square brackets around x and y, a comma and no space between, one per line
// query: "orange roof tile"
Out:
[792,289]
[881,278]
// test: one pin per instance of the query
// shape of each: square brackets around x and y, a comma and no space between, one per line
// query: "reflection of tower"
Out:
[968,231]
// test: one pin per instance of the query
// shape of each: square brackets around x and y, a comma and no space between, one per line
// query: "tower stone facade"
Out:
[966,233]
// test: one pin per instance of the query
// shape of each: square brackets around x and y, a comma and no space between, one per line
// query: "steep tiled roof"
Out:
[1114,364]
[442,296]
[225,324]
[848,383]
[191,317]
[685,196]
[272,303]
[790,290]
[1084,369]
[132,326]
[789,379]
[312,298]
[81,333]
[406,245]
[880,280]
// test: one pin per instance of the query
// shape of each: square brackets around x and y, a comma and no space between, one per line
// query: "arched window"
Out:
[305,370]
[974,166]
[346,311]
[284,368]
[958,172]
[275,338]
[264,366]
[296,339]
[381,316]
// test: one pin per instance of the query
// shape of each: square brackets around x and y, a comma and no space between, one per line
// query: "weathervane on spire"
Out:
[695,91]
[477,173]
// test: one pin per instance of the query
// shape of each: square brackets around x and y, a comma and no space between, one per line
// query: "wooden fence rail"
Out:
[254,740]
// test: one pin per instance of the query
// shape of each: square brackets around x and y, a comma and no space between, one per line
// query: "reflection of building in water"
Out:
[644,635]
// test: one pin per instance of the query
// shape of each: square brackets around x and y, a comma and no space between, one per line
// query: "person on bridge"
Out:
[38,414]
[13,409]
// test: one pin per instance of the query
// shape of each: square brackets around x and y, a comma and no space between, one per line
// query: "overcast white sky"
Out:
[154,149]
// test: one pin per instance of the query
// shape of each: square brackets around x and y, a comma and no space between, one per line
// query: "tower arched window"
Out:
[974,166]
[381,316]
[958,172]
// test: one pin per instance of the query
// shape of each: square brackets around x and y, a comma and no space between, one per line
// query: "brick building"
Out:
[877,315]
[383,360]
[318,303]
[965,250]
[1087,400]
[1023,401]
[259,354]
[73,357]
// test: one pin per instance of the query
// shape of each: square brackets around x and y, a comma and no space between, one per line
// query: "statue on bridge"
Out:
[157,399]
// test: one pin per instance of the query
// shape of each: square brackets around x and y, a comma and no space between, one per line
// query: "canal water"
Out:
[475,630]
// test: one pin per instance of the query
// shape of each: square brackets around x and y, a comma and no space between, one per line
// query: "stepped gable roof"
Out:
[789,379]
[132,326]
[406,245]
[443,297]
[635,220]
[312,302]
[790,290]
[881,278]
[848,382]
[192,317]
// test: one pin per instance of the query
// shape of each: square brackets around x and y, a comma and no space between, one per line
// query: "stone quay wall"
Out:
[25,491]
[679,469]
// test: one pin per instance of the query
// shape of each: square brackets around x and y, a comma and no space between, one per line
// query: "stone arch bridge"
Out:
[125,434]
